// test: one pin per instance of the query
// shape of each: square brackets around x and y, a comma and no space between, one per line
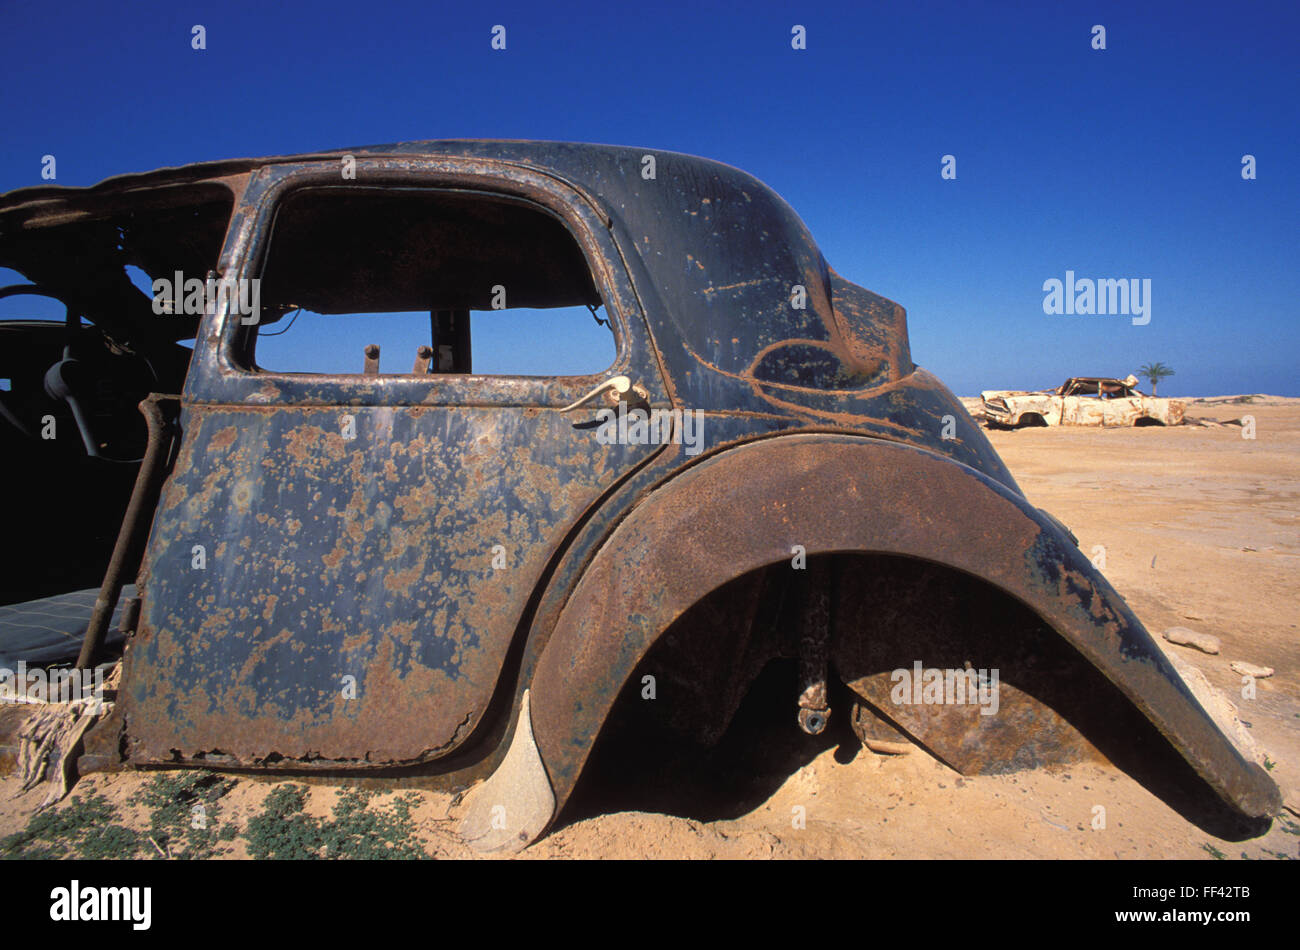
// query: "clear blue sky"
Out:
[1117,163]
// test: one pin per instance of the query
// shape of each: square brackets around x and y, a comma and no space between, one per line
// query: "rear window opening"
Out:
[400,282]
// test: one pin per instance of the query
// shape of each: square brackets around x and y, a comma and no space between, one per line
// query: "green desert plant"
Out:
[1155,372]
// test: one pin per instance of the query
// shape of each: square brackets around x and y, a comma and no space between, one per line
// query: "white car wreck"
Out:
[1081,401]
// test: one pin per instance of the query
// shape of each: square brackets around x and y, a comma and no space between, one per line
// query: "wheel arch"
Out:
[748,507]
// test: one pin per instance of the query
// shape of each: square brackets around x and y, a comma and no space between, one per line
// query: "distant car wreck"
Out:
[1081,401]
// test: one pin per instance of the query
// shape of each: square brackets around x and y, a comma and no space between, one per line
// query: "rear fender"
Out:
[746,508]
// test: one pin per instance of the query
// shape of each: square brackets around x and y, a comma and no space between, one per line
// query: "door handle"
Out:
[615,390]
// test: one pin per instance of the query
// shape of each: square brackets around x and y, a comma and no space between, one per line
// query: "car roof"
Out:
[722,248]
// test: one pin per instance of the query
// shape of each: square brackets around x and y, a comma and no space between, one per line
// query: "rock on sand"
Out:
[1184,637]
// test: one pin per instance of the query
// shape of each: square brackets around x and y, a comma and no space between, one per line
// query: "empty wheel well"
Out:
[706,726]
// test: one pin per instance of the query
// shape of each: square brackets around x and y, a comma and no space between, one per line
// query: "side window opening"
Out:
[402,282]
[1098,388]
[73,453]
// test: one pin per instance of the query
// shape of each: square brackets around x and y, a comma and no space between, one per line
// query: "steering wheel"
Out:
[65,381]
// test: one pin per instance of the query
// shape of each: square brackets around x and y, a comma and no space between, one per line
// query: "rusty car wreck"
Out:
[1081,401]
[446,574]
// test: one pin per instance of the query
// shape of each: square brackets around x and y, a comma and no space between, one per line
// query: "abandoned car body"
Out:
[1082,401]
[440,573]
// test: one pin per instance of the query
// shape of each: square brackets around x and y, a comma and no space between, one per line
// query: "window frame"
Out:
[223,376]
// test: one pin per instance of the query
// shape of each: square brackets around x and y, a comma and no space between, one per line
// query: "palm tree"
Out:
[1155,372]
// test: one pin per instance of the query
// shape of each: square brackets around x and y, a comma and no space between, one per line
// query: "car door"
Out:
[1122,410]
[340,562]
[1074,410]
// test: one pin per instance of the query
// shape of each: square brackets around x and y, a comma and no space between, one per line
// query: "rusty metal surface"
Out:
[160,414]
[325,558]
[844,494]
[975,678]
[876,732]
[371,557]
[814,708]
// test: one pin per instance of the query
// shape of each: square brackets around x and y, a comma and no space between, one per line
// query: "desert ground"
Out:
[1200,528]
